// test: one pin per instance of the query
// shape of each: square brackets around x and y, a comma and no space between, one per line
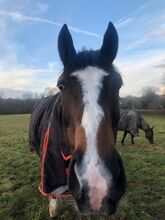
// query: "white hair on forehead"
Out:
[91,80]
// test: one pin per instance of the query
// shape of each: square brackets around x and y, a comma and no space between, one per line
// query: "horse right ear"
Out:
[110,43]
[65,45]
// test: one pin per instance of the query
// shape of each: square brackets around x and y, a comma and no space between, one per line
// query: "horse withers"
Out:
[85,117]
[130,122]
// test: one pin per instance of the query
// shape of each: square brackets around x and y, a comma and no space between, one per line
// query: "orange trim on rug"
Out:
[44,150]
[66,157]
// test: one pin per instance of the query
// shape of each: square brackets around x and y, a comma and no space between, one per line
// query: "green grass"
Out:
[20,174]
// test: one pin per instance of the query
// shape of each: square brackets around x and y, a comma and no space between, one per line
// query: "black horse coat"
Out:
[131,121]
[45,121]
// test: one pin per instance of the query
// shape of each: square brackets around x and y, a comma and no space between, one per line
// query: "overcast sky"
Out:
[29,29]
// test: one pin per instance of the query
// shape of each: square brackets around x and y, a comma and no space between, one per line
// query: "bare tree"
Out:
[27,96]
[149,98]
[163,81]
[1,94]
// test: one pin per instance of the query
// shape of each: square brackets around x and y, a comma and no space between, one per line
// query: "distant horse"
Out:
[80,124]
[130,122]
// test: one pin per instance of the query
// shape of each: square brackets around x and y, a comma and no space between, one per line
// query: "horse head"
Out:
[149,133]
[89,88]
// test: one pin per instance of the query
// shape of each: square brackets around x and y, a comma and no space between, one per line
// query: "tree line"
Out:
[25,104]
[16,106]
[149,100]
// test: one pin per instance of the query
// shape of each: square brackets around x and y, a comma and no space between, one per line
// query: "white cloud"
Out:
[14,75]
[138,71]
[25,6]
[42,7]
[19,17]
[22,77]
[51,65]
[156,30]
[154,34]
[137,43]
[123,22]
[160,65]
[161,90]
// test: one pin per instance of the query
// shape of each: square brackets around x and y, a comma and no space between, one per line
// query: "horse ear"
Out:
[110,43]
[65,45]
[152,128]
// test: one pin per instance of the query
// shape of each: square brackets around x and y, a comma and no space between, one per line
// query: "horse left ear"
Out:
[65,45]
[152,128]
[110,43]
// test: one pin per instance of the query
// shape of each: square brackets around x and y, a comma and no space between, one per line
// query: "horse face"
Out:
[90,113]
[149,133]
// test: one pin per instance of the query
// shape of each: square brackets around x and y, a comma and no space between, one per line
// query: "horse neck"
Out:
[144,125]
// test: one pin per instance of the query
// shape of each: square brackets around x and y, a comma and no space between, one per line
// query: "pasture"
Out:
[20,174]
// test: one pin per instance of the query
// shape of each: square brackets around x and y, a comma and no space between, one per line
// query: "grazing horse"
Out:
[83,120]
[130,122]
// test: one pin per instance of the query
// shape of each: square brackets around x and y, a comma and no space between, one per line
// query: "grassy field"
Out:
[20,174]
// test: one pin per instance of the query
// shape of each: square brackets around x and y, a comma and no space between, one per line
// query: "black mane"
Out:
[86,58]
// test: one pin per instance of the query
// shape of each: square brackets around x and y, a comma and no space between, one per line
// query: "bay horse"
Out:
[83,120]
[130,122]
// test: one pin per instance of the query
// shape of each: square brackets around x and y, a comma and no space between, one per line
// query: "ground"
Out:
[20,174]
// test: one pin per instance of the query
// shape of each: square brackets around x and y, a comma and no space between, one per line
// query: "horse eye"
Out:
[61,87]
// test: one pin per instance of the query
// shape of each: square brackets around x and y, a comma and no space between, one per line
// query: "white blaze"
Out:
[91,79]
